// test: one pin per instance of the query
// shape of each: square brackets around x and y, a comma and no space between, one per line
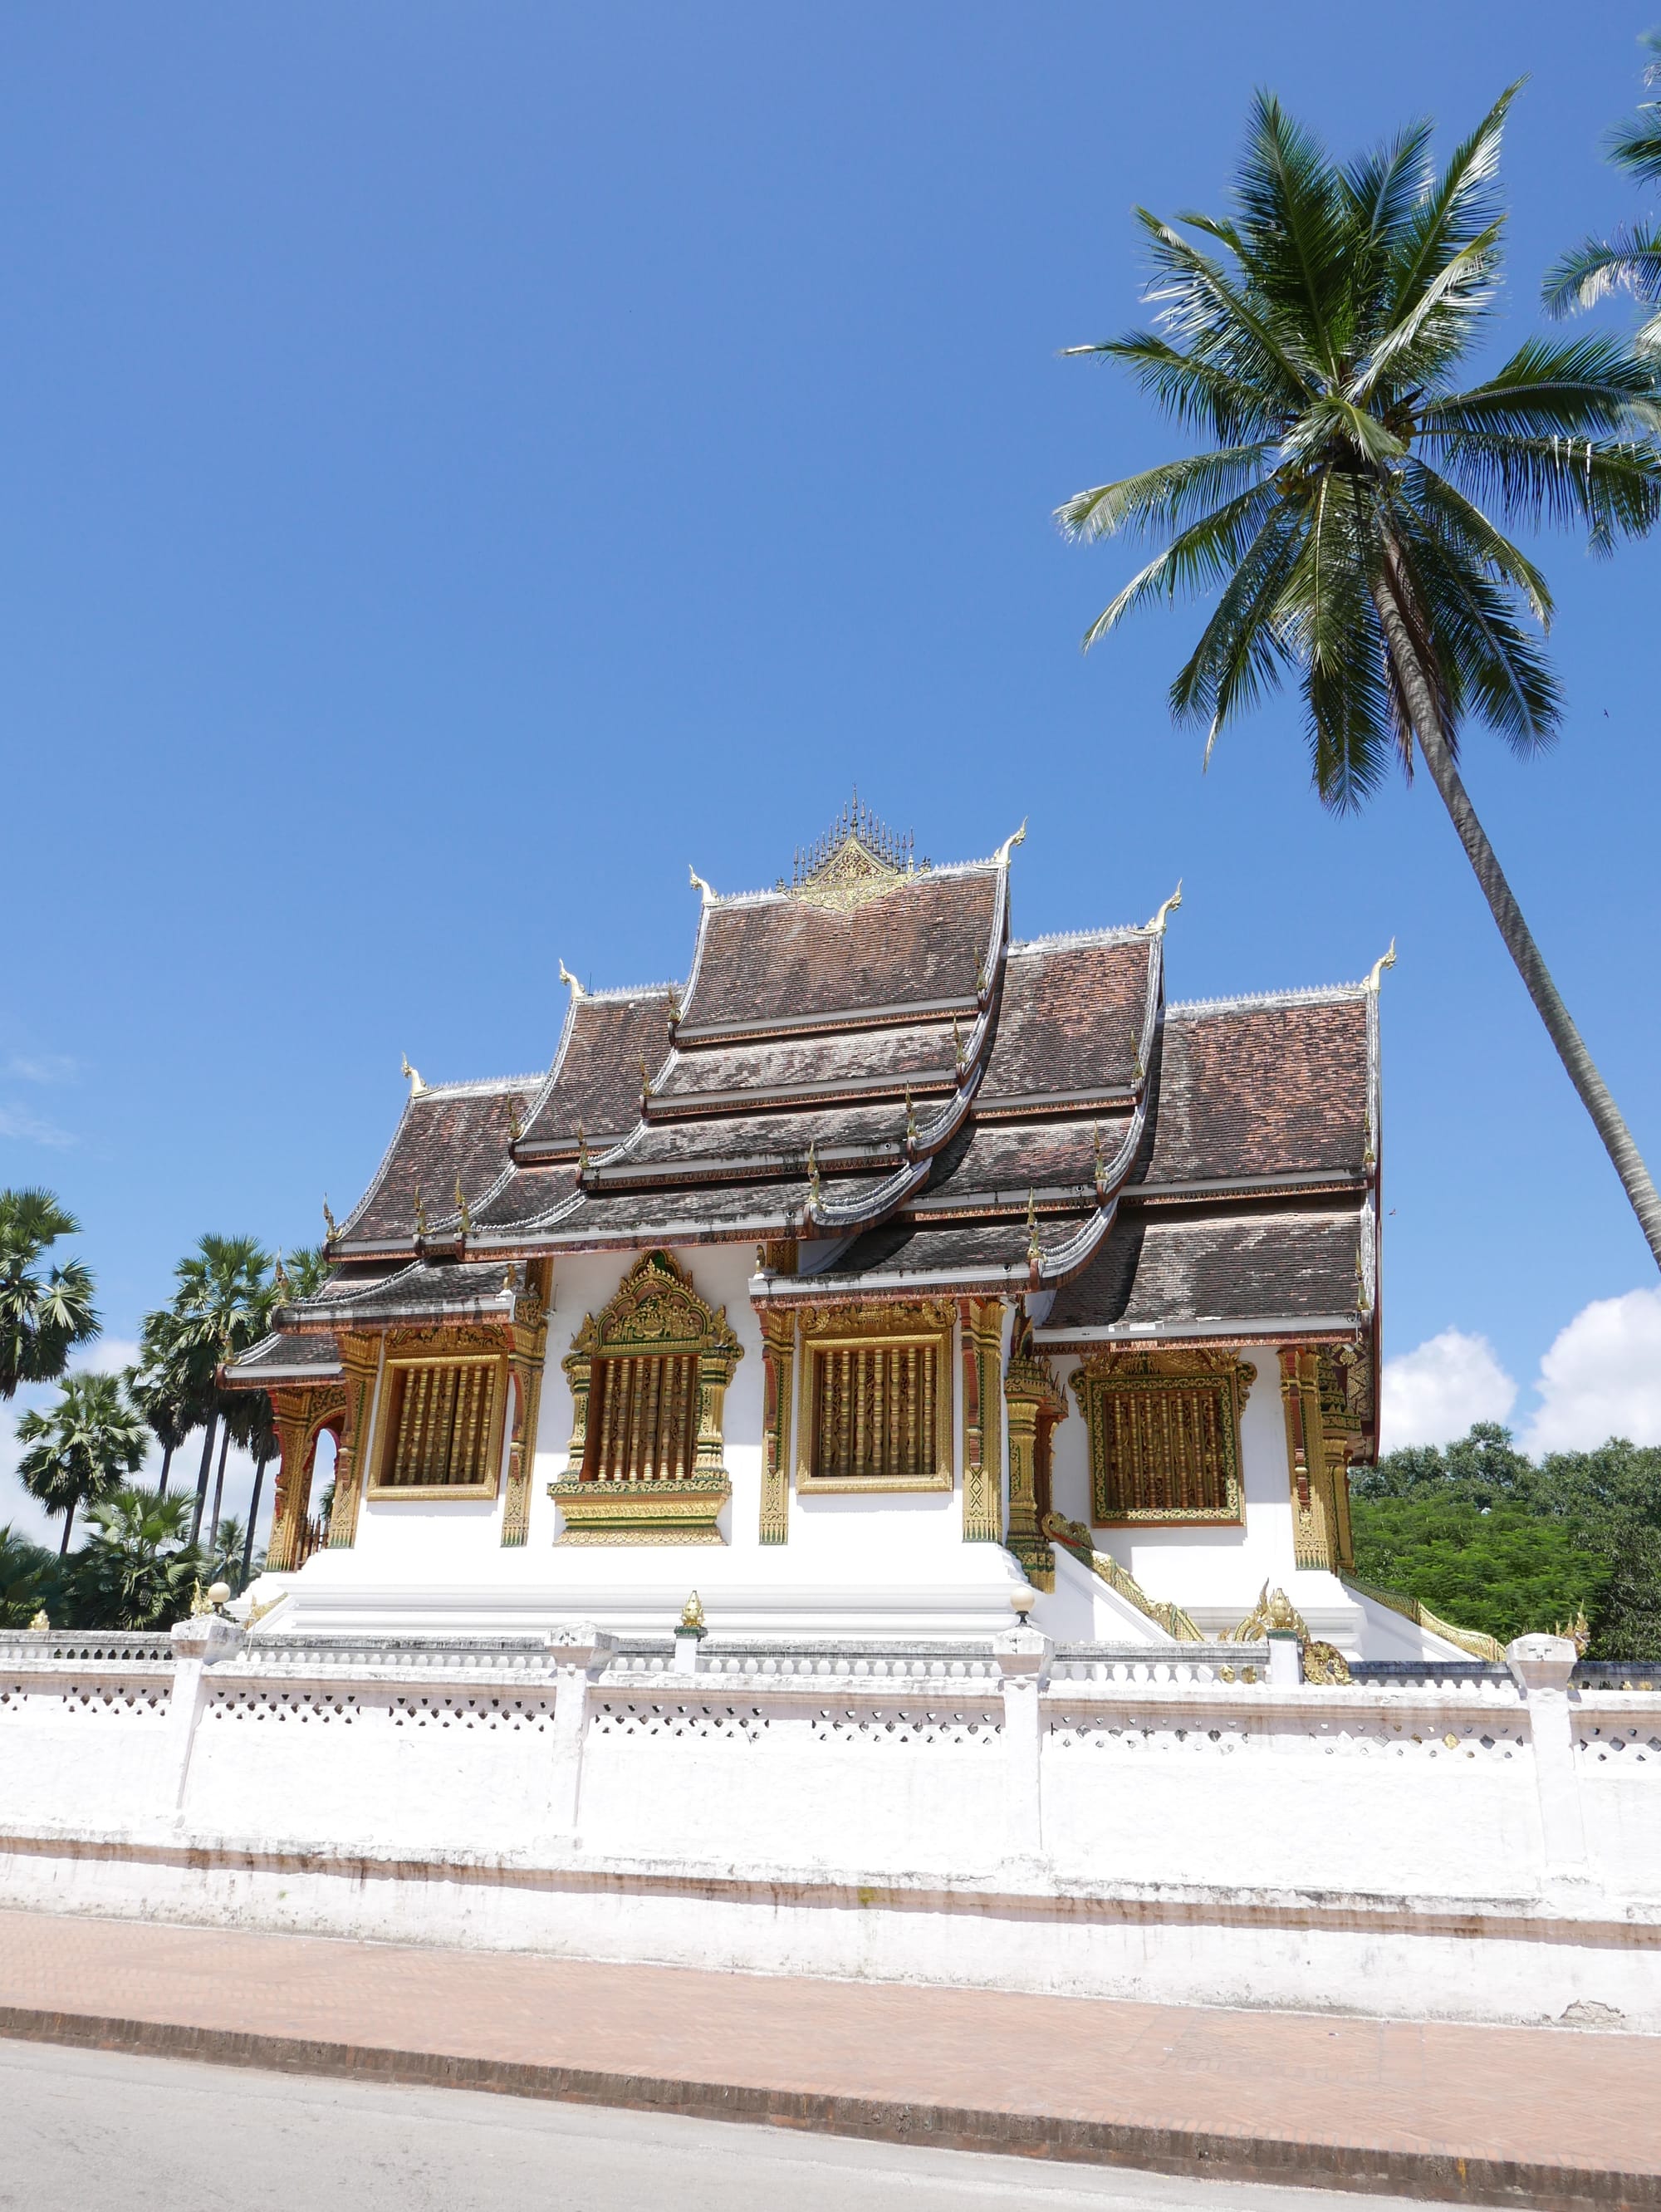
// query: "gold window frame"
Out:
[1221,1377]
[828,1332]
[397,1366]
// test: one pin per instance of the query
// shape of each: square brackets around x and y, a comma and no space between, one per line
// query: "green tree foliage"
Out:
[137,1568]
[222,1307]
[1487,1537]
[1350,517]
[1630,261]
[44,1311]
[82,1447]
[28,1579]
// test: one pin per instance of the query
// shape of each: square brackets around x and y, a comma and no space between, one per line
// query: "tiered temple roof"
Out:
[866,1076]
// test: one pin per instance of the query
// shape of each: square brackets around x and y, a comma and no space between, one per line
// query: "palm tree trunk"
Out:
[253,1516]
[167,1461]
[69,1520]
[202,1474]
[219,1481]
[1508,916]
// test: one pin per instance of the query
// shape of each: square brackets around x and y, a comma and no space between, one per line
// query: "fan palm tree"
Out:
[223,1305]
[1631,260]
[167,1386]
[138,1569]
[28,1578]
[1319,334]
[44,1315]
[82,1447]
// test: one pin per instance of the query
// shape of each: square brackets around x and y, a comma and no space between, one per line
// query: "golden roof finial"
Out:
[569,979]
[1034,1256]
[910,1117]
[1009,844]
[1156,926]
[980,974]
[701,886]
[1101,1163]
[515,1126]
[957,1048]
[278,1273]
[329,1221]
[421,1212]
[464,1219]
[1375,974]
[416,1086]
[582,1151]
[645,1079]
[812,1178]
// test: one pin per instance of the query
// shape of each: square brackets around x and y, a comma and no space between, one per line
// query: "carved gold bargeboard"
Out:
[1164,1431]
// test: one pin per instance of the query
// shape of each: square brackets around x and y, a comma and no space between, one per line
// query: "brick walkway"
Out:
[1485,2114]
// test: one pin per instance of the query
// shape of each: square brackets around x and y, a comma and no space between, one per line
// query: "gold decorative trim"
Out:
[431,1351]
[778,1382]
[983,1420]
[1310,1476]
[300,1415]
[1472,1640]
[655,1317]
[360,1359]
[1274,1613]
[1034,1402]
[1079,1540]
[685,1512]
[527,1361]
[1189,1436]
[863,1341]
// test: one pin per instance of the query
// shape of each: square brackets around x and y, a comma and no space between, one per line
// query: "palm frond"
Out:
[1384,186]
[1611,486]
[1197,559]
[1457,209]
[1198,302]
[1239,655]
[1438,326]
[1198,394]
[1503,675]
[1170,495]
[1635,147]
[1581,385]
[1630,261]
[1445,510]
[1294,214]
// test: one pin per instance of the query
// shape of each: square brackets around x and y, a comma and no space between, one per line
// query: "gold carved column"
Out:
[982,1322]
[360,1356]
[298,1416]
[1315,1535]
[1035,1403]
[527,1353]
[778,1377]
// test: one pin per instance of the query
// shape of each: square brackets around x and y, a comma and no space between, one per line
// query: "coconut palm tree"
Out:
[223,1305]
[1630,261]
[1344,515]
[136,1568]
[82,1447]
[43,1313]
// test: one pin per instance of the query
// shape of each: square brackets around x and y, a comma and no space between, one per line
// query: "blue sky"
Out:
[466,461]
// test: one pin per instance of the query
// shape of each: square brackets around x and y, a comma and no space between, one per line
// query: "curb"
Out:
[1361,2167]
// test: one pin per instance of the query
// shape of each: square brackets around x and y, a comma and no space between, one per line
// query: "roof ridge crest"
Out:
[1113,933]
[1292,995]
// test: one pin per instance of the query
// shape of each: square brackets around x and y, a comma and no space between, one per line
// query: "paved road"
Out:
[99,2131]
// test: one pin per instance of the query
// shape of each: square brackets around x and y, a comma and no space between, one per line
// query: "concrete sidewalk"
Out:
[1543,2116]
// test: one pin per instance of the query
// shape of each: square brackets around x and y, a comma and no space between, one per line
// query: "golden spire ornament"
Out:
[463,1219]
[812,1178]
[329,1221]
[421,1212]
[582,1151]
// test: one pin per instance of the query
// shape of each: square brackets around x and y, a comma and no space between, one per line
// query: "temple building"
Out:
[888,1273]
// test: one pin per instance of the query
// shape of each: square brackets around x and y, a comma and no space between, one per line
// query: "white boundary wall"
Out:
[1016,1816]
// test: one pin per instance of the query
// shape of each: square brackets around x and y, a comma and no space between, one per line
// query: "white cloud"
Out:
[1601,1377]
[41,1067]
[1433,1394]
[30,1129]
